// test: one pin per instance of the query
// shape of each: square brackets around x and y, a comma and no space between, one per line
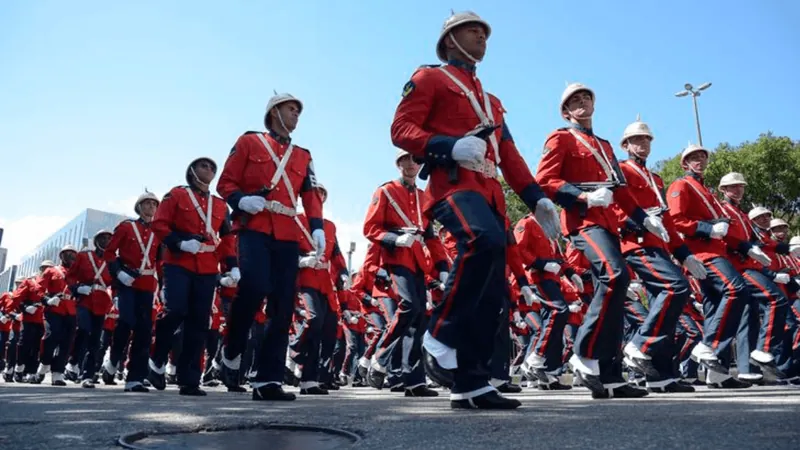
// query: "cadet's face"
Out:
[408,167]
[148,208]
[472,38]
[67,258]
[581,104]
[639,146]
[205,171]
[103,240]
[698,161]
[735,192]
[781,232]
[290,113]
[763,220]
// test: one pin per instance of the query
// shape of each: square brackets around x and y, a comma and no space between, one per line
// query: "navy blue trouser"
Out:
[269,270]
[30,336]
[725,295]
[688,333]
[87,341]
[600,335]
[354,349]
[4,338]
[549,342]
[58,332]
[763,320]
[668,290]
[466,318]
[135,316]
[378,323]
[330,330]
[501,356]
[788,360]
[10,350]
[403,336]
[534,321]
[388,309]
[188,298]
[308,340]
[252,350]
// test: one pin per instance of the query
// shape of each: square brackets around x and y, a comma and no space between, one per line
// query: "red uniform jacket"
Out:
[363,290]
[741,238]
[28,293]
[693,209]
[536,249]
[578,262]
[320,278]
[83,273]
[5,302]
[216,313]
[126,252]
[383,224]
[514,261]
[565,161]
[110,322]
[697,293]
[647,189]
[250,168]
[348,301]
[54,282]
[177,219]
[434,113]
[571,295]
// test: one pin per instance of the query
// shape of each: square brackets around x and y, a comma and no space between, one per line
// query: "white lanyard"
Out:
[599,155]
[485,114]
[207,217]
[145,249]
[741,220]
[650,181]
[280,168]
[400,212]
[703,198]
[98,271]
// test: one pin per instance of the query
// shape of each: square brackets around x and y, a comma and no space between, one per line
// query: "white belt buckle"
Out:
[205,248]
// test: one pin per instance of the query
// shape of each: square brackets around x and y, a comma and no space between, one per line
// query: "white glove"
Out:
[351,317]
[443,277]
[782,278]
[53,301]
[18,317]
[756,253]
[719,230]
[345,281]
[4,319]
[191,246]
[404,240]
[302,312]
[235,274]
[429,305]
[307,261]
[382,273]
[125,279]
[547,216]
[529,296]
[374,302]
[795,250]
[633,291]
[252,204]
[318,236]
[577,281]
[84,290]
[552,267]
[517,317]
[115,301]
[575,307]
[521,324]
[656,226]
[469,149]
[227,282]
[695,267]
[599,198]
[698,306]
[30,309]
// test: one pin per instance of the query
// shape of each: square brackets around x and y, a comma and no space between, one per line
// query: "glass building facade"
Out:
[78,232]
[7,279]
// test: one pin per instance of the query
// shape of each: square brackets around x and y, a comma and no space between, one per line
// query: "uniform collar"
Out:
[462,65]
[142,222]
[639,161]
[280,139]
[403,183]
[696,176]
[197,190]
[729,200]
[581,129]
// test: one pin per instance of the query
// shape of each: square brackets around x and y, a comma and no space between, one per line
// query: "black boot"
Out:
[421,391]
[272,392]
[193,391]
[436,372]
[489,400]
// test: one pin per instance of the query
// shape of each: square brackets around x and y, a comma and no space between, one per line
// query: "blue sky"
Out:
[100,99]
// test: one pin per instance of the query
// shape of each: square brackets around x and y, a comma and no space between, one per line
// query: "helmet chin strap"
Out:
[280,118]
[197,179]
[461,49]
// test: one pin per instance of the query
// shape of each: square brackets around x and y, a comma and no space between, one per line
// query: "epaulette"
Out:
[429,66]
[250,132]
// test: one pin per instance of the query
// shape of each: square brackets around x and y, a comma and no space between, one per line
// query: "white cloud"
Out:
[347,232]
[21,236]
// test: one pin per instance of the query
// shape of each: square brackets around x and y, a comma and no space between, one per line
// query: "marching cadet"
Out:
[316,288]
[59,318]
[755,345]
[395,223]
[27,299]
[261,181]
[788,361]
[6,330]
[131,258]
[579,171]
[445,119]
[10,321]
[651,347]
[540,256]
[89,280]
[701,219]
[193,225]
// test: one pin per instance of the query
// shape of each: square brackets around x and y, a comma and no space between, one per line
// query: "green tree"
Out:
[515,207]
[771,166]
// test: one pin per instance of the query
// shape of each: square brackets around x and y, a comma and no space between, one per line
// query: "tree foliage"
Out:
[771,166]
[515,207]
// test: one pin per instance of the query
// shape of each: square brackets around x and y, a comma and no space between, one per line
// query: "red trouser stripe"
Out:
[772,310]
[732,294]
[604,303]
[664,307]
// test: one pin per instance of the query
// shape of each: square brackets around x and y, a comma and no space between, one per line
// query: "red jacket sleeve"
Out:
[411,114]
[233,171]
[374,224]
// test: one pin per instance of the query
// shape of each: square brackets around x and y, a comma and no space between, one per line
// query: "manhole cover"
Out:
[272,437]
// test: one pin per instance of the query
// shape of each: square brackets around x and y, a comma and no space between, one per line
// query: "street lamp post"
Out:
[350,257]
[690,90]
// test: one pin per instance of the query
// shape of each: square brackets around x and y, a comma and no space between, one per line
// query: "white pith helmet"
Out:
[637,128]
[454,21]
